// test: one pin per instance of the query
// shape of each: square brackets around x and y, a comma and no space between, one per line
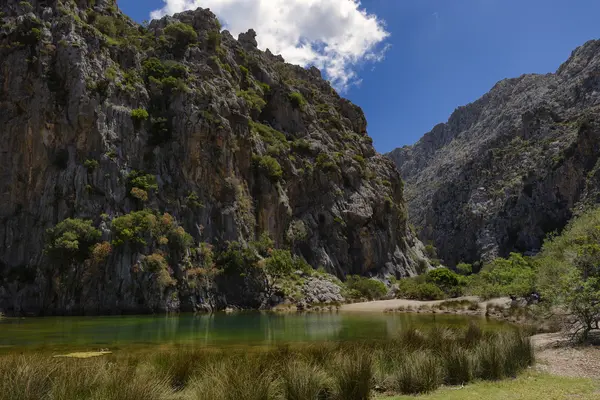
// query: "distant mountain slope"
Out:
[510,167]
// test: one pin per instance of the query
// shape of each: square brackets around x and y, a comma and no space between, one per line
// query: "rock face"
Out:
[511,167]
[102,117]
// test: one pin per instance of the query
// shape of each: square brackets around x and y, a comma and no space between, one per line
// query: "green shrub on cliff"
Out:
[269,166]
[71,240]
[297,100]
[180,36]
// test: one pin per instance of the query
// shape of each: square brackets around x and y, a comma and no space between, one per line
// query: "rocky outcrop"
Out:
[511,167]
[102,118]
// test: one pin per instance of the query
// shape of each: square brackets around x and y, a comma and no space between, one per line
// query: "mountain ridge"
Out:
[498,160]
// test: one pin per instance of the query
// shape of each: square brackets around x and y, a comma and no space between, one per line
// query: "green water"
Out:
[245,329]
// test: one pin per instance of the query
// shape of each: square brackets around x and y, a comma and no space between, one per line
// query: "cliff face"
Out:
[511,167]
[102,117]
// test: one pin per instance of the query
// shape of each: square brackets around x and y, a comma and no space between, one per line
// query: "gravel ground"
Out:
[555,355]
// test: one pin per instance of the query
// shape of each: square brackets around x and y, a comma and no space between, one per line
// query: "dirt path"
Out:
[556,356]
[383,305]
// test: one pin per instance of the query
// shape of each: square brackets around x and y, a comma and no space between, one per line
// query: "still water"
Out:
[245,329]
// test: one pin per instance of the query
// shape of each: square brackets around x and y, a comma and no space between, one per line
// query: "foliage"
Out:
[371,289]
[417,289]
[514,276]
[464,269]
[269,166]
[90,165]
[141,228]
[253,99]
[301,146]
[568,275]
[100,252]
[180,36]
[275,140]
[139,194]
[142,181]
[139,114]
[237,259]
[326,163]
[436,284]
[448,281]
[70,241]
[297,100]
[214,40]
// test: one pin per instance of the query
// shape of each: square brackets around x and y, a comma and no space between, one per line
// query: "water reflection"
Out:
[250,328]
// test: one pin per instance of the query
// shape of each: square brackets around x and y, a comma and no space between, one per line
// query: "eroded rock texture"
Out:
[238,142]
[511,167]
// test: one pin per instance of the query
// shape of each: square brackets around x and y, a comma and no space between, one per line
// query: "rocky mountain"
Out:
[511,167]
[142,166]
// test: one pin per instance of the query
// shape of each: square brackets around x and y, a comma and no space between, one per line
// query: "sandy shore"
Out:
[383,305]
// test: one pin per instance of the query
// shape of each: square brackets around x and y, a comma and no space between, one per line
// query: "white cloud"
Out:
[334,35]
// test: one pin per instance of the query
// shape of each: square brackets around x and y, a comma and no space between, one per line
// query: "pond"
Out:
[239,329]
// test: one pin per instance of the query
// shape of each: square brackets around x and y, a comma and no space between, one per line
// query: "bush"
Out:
[142,181]
[567,273]
[70,241]
[412,288]
[326,163]
[272,137]
[180,37]
[464,269]
[369,288]
[301,146]
[448,281]
[297,100]
[269,166]
[90,165]
[139,114]
[253,99]
[514,276]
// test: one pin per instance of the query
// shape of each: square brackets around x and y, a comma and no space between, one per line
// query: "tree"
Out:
[569,273]
[513,276]
[70,241]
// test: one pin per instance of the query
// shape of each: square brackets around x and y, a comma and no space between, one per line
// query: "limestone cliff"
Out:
[102,118]
[511,167]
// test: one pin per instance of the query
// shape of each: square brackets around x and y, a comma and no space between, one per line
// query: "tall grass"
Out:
[421,372]
[353,373]
[414,362]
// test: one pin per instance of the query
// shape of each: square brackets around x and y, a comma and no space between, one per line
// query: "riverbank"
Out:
[407,305]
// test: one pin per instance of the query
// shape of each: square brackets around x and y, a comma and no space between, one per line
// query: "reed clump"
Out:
[413,362]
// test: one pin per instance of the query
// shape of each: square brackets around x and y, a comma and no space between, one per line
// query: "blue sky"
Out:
[447,53]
